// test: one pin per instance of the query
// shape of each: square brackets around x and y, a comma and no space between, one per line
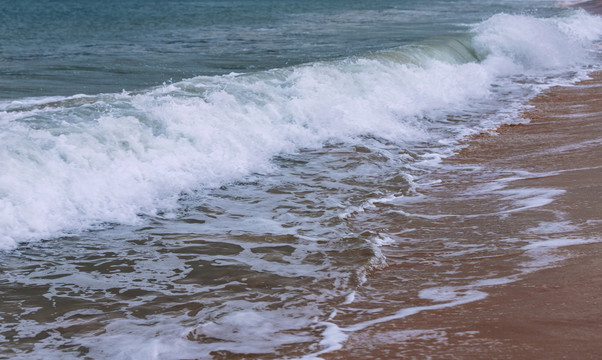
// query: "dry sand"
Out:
[549,314]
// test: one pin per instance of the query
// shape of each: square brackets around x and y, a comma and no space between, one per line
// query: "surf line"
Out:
[334,336]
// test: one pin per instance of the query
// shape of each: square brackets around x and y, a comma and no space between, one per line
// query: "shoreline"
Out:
[554,313]
[549,313]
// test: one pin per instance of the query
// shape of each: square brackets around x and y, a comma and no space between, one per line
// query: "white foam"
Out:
[333,337]
[350,298]
[515,42]
[448,296]
[118,166]
[383,240]
[545,253]
[496,281]
[69,164]
[558,243]
[553,227]
[529,198]
[368,204]
[521,199]
[244,331]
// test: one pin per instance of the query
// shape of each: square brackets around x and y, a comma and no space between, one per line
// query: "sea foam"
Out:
[75,163]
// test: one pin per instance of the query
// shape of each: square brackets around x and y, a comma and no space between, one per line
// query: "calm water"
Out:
[187,179]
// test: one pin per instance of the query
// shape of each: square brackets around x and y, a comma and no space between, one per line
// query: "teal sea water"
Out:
[71,47]
[183,179]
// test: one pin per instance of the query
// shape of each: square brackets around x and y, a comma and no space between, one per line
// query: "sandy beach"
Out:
[300,180]
[554,313]
[549,314]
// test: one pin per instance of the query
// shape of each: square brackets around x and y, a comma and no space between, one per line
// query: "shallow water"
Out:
[233,212]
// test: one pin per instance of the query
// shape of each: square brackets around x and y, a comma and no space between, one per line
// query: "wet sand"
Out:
[555,313]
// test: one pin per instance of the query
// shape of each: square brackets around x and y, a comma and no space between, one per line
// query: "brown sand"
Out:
[549,314]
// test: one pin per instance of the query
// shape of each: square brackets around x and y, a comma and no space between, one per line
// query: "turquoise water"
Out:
[70,47]
[187,179]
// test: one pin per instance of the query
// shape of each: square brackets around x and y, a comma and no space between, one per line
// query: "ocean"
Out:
[206,179]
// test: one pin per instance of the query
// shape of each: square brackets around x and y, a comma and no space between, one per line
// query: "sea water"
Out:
[184,179]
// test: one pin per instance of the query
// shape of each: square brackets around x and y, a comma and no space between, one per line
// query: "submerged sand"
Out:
[555,313]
